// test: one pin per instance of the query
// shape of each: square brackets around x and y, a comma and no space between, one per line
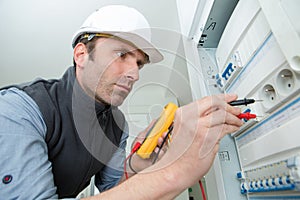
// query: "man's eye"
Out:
[140,64]
[121,54]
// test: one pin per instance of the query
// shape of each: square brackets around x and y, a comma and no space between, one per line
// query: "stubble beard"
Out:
[114,97]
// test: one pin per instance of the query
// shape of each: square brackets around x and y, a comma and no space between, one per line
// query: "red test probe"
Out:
[246,115]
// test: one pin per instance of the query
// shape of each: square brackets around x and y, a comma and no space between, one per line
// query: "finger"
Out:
[227,97]
[156,150]
[221,117]
[159,152]
[213,134]
[229,128]
[223,129]
[160,141]
[216,102]
[231,119]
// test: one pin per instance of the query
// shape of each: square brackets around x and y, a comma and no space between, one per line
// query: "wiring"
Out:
[162,144]
[202,190]
[133,150]
[130,166]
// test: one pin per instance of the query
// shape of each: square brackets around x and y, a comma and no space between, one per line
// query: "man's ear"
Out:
[80,54]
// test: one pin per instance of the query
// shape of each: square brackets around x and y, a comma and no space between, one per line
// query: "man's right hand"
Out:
[198,128]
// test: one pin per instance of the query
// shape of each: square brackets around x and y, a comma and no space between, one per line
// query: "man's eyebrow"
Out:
[130,52]
[126,48]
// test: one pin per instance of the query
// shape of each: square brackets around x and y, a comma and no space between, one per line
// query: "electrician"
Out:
[56,134]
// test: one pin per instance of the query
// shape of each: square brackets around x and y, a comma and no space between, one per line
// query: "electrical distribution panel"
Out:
[258,57]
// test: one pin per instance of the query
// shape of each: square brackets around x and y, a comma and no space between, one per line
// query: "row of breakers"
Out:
[277,176]
[268,185]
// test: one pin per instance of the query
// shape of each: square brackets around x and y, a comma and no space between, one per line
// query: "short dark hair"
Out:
[90,45]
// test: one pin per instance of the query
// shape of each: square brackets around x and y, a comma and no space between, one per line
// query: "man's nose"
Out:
[132,66]
[132,73]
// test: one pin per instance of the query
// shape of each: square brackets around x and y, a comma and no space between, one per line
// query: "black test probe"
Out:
[244,101]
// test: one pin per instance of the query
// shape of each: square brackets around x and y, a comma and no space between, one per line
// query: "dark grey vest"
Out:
[81,134]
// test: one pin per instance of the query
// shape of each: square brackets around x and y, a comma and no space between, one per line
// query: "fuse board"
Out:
[258,57]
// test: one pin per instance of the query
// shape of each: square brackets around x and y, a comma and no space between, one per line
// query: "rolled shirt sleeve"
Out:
[24,154]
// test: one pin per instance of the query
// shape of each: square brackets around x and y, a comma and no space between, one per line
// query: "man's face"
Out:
[108,73]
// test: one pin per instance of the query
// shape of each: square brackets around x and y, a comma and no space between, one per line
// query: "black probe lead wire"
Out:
[165,139]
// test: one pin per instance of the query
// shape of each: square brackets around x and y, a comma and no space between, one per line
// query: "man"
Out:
[56,134]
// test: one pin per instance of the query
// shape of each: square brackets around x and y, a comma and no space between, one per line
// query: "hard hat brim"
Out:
[154,55]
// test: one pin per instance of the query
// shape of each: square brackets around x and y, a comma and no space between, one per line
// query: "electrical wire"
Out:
[130,166]
[162,144]
[202,190]
[125,170]
[133,150]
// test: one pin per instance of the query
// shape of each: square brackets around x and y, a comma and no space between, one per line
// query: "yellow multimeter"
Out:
[161,126]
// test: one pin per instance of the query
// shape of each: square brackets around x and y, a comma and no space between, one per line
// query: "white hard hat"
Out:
[124,22]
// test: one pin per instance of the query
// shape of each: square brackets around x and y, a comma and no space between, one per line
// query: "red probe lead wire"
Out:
[133,150]
[202,190]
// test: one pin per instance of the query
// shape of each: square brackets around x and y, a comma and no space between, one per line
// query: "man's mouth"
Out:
[124,87]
